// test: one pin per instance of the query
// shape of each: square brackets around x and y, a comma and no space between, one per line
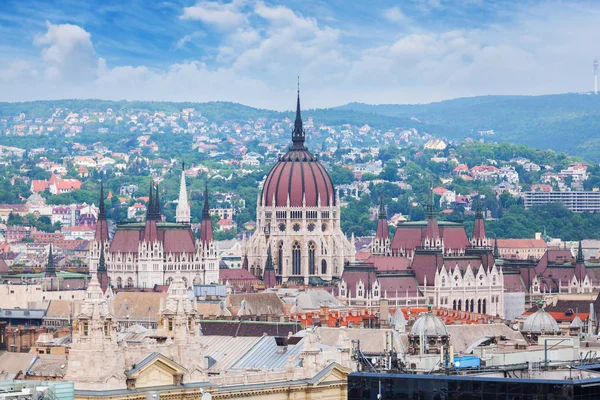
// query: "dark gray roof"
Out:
[21,313]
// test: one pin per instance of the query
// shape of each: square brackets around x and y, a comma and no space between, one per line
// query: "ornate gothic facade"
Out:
[429,263]
[145,254]
[298,215]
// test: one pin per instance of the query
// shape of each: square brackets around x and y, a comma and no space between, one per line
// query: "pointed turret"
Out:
[298,135]
[50,268]
[479,238]
[269,278]
[580,272]
[101,225]
[150,231]
[496,250]
[206,228]
[182,213]
[102,273]
[432,237]
[382,223]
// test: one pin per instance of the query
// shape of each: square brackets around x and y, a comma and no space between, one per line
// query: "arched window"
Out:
[460,305]
[129,282]
[296,259]
[119,283]
[324,267]
[280,259]
[483,311]
[454,305]
[472,304]
[311,258]
[479,306]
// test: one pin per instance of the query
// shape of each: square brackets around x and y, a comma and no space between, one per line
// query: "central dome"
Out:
[298,176]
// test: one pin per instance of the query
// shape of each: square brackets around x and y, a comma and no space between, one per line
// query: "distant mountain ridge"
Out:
[562,122]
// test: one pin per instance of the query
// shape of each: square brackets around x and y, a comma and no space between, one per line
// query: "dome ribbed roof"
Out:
[430,325]
[298,175]
[540,321]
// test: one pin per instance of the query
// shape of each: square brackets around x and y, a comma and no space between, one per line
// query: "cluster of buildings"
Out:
[297,309]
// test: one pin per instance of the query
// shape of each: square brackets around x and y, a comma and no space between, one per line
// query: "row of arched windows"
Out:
[469,305]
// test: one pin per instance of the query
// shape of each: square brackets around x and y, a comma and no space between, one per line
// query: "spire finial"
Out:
[206,209]
[101,208]
[479,210]
[150,208]
[580,258]
[430,214]
[298,132]
[157,204]
[382,214]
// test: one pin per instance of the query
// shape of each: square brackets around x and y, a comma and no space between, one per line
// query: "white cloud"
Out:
[68,53]
[181,43]
[394,14]
[224,16]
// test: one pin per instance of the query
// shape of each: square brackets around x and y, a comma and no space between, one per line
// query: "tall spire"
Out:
[182,213]
[479,238]
[157,204]
[478,210]
[298,135]
[430,212]
[269,278]
[382,214]
[101,234]
[50,269]
[496,250]
[206,229]
[580,258]
[150,206]
[102,273]
[206,208]
[101,208]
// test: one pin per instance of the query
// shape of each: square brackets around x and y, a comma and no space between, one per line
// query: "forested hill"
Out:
[562,122]
[214,111]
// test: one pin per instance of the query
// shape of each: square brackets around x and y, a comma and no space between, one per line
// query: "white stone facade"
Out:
[306,242]
[479,292]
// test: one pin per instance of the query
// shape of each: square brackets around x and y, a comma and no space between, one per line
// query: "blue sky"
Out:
[248,51]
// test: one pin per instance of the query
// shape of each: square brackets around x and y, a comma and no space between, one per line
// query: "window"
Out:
[311,227]
[170,324]
[323,227]
[324,267]
[296,259]
[280,258]
[85,328]
[282,227]
[311,258]
[106,329]
[296,227]
[311,214]
[325,214]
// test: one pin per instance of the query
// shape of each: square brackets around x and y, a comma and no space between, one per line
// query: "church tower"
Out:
[381,244]
[182,213]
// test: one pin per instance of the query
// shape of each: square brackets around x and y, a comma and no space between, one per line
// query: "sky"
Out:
[252,51]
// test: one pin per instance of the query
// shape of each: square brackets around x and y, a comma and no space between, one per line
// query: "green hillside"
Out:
[564,122]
